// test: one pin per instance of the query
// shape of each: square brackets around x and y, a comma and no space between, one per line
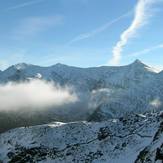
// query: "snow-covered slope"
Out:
[113,141]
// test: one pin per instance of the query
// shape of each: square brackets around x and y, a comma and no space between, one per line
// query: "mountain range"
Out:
[114,90]
[118,117]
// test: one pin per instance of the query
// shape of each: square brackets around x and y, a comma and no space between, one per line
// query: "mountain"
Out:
[132,138]
[117,119]
[104,92]
[87,78]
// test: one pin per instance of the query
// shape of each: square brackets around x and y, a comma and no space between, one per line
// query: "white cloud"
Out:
[98,30]
[36,94]
[147,50]
[31,26]
[141,17]
[156,103]
[25,4]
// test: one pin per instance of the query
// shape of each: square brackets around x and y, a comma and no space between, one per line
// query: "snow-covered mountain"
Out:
[132,138]
[108,92]
[122,113]
[84,78]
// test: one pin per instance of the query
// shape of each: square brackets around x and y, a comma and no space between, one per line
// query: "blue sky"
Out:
[81,33]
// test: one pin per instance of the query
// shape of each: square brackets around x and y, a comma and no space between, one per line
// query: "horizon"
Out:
[135,61]
[73,33]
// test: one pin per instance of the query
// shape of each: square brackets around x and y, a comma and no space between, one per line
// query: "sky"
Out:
[83,33]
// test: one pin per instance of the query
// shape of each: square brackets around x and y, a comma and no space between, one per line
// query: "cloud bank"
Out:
[141,17]
[36,94]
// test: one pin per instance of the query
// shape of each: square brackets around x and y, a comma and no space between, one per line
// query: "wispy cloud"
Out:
[25,4]
[146,50]
[141,17]
[98,30]
[31,26]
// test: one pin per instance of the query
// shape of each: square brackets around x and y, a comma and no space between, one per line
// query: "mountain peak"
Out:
[138,62]
[21,66]
[60,65]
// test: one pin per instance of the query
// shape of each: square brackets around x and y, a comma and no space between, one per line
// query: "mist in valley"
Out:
[37,102]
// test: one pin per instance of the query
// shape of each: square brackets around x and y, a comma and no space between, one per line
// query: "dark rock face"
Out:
[159,132]
[99,116]
[159,154]
[31,154]
[142,156]
[154,151]
[103,133]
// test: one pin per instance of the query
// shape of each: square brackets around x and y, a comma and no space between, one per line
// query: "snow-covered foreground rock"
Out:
[113,141]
